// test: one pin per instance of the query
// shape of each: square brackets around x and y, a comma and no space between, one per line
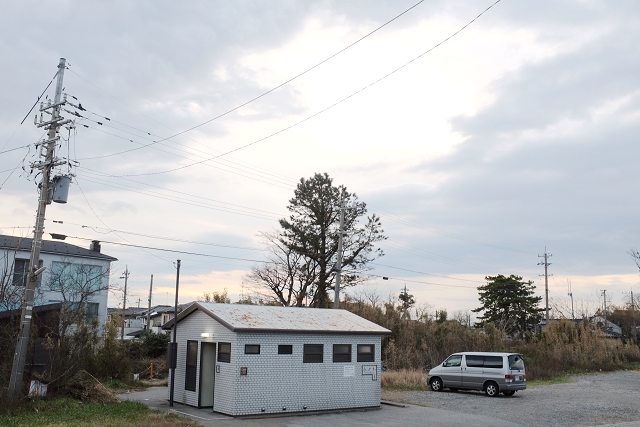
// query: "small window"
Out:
[92,310]
[285,349]
[313,353]
[341,353]
[224,352]
[192,363]
[252,349]
[493,361]
[20,267]
[366,352]
[474,361]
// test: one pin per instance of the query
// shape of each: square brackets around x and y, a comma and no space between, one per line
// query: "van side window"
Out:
[493,361]
[474,361]
[454,360]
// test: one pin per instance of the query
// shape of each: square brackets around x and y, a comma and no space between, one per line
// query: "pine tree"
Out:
[509,303]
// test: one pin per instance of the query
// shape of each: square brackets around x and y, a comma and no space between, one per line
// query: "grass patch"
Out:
[69,412]
[560,379]
[633,366]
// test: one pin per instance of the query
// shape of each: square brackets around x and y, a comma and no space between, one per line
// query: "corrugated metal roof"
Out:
[51,247]
[260,318]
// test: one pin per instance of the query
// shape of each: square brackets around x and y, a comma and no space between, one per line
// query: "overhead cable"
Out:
[313,115]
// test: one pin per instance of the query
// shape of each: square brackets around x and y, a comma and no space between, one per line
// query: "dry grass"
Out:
[404,379]
[70,412]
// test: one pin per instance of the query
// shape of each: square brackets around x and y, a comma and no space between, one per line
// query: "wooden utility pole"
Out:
[50,161]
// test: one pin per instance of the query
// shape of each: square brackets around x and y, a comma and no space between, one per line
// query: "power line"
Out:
[276,183]
[103,223]
[433,256]
[296,76]
[172,239]
[14,149]
[27,115]
[313,115]
[445,233]
[421,282]
[181,199]
[169,250]
[428,274]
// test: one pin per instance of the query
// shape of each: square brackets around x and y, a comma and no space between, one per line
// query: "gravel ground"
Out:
[588,400]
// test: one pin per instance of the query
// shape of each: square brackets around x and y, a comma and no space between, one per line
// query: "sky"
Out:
[519,133]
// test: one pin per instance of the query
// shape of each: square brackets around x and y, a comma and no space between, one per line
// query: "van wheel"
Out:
[509,393]
[491,389]
[436,384]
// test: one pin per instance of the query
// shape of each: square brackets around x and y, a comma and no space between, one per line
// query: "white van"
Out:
[493,373]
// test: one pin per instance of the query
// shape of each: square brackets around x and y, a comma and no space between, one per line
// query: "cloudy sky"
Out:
[518,133]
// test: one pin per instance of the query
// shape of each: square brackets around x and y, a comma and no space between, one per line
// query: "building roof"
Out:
[51,247]
[260,318]
[38,307]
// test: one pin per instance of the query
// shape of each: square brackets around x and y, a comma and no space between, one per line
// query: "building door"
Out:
[207,374]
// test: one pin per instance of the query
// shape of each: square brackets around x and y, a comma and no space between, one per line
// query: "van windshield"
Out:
[516,362]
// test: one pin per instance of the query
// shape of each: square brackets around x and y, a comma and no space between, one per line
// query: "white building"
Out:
[248,359]
[73,273]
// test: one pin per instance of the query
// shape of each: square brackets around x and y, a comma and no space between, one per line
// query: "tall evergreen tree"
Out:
[509,302]
[305,249]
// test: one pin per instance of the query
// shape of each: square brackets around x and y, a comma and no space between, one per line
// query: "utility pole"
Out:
[573,317]
[50,161]
[124,300]
[546,264]
[336,300]
[174,348]
[149,309]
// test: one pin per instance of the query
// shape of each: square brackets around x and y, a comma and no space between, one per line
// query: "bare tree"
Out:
[288,274]
[76,285]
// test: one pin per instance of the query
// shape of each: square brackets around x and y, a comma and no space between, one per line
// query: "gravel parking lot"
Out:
[605,398]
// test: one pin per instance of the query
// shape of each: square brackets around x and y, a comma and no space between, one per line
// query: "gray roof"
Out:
[260,318]
[51,247]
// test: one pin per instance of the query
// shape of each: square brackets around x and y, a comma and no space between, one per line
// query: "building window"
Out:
[91,311]
[192,364]
[366,352]
[252,349]
[285,349]
[313,353]
[341,353]
[224,352]
[20,267]
[82,278]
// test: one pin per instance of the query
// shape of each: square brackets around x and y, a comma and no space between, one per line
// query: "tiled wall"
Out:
[277,383]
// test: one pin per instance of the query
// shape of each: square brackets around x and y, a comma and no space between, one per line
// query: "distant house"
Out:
[246,359]
[135,318]
[609,329]
[74,277]
[73,272]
